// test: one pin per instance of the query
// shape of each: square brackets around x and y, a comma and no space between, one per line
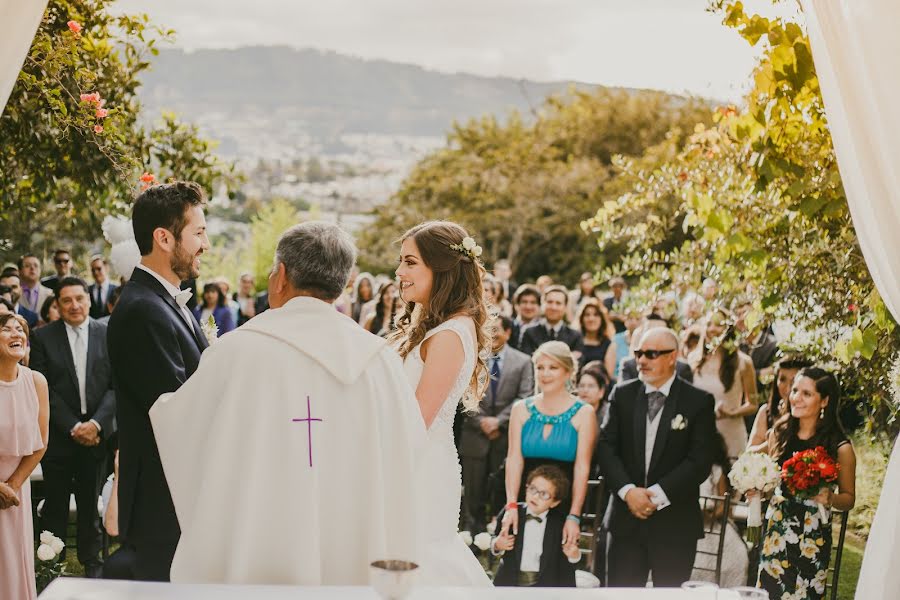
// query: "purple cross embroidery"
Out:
[309,419]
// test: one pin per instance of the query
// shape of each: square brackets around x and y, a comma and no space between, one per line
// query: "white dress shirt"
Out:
[659,496]
[81,373]
[173,291]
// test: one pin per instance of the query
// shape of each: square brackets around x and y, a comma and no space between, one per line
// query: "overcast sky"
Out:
[674,45]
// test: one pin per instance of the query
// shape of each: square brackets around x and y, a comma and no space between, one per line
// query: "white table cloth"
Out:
[68,588]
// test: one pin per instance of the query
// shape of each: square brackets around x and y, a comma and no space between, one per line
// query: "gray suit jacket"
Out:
[516,382]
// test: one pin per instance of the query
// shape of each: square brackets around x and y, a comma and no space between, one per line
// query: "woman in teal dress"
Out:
[797,547]
[552,427]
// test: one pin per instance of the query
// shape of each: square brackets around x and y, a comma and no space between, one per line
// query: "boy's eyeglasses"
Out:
[652,354]
[539,493]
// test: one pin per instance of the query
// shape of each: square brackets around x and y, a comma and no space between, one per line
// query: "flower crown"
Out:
[468,247]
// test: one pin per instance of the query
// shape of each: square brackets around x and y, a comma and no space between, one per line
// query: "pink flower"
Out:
[93,98]
[98,128]
[85,97]
[74,27]
[101,113]
[147,177]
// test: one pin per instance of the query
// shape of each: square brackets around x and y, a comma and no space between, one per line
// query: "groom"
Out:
[290,451]
[654,451]
[154,346]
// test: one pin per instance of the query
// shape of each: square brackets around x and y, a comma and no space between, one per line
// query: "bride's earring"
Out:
[822,413]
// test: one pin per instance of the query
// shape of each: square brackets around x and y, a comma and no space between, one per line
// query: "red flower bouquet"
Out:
[809,472]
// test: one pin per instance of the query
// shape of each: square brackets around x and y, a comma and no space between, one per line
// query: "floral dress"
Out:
[797,547]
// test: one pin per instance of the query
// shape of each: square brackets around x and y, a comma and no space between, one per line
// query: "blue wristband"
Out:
[575,518]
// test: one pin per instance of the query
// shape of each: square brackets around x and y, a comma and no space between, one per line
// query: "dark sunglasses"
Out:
[652,354]
[61,260]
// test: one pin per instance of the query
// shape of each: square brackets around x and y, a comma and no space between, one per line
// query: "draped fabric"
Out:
[857,56]
[20,20]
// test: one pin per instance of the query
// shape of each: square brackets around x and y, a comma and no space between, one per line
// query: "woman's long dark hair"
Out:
[603,332]
[730,360]
[776,404]
[829,430]
[380,308]
[220,297]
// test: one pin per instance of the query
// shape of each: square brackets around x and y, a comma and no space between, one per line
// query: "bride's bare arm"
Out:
[443,356]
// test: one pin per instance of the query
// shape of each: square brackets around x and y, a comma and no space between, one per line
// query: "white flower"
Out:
[468,243]
[754,471]
[483,540]
[45,552]
[210,330]
[47,537]
[466,537]
[476,251]
[679,422]
[57,545]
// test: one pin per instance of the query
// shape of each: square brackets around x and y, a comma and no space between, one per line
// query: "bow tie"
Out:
[182,297]
[533,518]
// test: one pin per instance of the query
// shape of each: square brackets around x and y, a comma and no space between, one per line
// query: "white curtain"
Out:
[20,19]
[856,50]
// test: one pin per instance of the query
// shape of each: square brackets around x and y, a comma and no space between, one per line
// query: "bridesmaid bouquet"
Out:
[754,471]
[48,566]
[808,472]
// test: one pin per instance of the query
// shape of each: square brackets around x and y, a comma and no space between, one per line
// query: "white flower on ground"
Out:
[468,243]
[466,537]
[45,552]
[483,540]
[47,537]
[57,545]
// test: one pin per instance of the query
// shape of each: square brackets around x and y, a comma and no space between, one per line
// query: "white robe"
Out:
[251,508]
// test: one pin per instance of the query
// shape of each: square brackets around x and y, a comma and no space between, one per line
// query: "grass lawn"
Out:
[851,562]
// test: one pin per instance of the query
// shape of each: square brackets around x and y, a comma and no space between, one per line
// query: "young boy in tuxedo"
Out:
[536,557]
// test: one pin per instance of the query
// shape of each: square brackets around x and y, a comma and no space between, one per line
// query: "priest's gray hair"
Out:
[317,257]
[661,332]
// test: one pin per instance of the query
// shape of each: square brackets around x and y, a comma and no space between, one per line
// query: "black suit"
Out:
[540,333]
[153,351]
[67,465]
[98,306]
[681,460]
[555,569]
[30,317]
[630,370]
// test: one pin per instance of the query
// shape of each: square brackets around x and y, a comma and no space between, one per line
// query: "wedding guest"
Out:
[387,308]
[597,335]
[586,290]
[246,298]
[654,453]
[543,282]
[111,304]
[623,339]
[503,274]
[82,412]
[214,306]
[797,547]
[493,293]
[721,369]
[551,427]
[101,288]
[735,558]
[552,326]
[593,385]
[49,310]
[232,304]
[33,293]
[535,558]
[614,302]
[363,292]
[483,439]
[527,300]
[24,417]
[629,368]
[768,414]
[13,290]
[757,343]
[62,261]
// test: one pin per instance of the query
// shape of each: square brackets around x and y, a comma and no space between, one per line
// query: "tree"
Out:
[521,187]
[72,148]
[757,203]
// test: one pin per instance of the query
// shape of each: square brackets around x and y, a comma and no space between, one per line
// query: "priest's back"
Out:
[290,451]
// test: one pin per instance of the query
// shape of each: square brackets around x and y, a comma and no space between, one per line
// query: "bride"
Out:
[443,339]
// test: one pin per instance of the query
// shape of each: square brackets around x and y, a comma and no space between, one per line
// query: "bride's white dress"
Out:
[444,557]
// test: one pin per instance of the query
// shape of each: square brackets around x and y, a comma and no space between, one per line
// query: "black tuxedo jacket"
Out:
[555,570]
[52,356]
[680,462]
[538,334]
[630,370]
[99,309]
[153,351]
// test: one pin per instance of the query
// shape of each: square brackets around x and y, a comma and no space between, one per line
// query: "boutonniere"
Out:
[679,422]
[210,330]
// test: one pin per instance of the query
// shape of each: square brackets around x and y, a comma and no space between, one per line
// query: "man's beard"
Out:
[182,263]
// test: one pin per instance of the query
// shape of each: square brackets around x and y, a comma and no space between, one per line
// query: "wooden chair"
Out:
[837,551]
[592,530]
[720,508]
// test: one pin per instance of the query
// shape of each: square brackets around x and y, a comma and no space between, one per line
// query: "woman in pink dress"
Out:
[24,416]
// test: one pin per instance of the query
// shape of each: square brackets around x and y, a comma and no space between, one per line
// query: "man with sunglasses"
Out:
[629,368]
[62,261]
[101,290]
[654,451]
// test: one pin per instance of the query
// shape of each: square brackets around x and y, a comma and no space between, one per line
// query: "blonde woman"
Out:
[552,427]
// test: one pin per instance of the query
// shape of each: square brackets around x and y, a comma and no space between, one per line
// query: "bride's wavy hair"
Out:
[456,289]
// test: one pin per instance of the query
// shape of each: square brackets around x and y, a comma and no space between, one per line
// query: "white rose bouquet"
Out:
[48,567]
[754,471]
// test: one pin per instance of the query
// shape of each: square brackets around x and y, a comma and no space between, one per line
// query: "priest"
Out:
[289,453]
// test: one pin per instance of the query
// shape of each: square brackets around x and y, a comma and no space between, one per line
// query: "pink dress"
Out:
[20,435]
